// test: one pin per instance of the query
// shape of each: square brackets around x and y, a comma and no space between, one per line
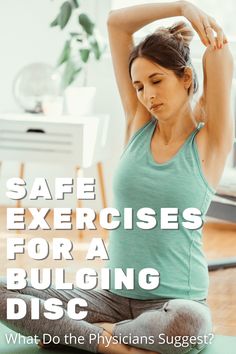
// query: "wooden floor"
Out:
[219,241]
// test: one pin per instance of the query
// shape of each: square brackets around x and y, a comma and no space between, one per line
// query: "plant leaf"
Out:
[65,13]
[74,34]
[86,23]
[65,54]
[75,3]
[70,73]
[96,49]
[55,22]
[84,54]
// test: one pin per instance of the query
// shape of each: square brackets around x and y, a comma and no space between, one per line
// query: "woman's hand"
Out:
[206,26]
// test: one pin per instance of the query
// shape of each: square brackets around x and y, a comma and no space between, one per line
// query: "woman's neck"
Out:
[175,129]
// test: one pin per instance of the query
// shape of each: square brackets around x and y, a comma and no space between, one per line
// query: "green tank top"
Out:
[139,181]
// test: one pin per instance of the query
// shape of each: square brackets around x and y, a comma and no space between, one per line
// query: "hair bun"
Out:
[182,31]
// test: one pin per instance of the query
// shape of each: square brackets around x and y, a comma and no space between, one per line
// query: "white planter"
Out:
[80,100]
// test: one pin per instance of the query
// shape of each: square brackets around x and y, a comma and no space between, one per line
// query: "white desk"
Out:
[76,141]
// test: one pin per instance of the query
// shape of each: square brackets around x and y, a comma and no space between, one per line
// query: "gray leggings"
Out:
[156,325]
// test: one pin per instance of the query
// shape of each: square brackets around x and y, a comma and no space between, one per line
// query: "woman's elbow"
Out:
[109,18]
[112,18]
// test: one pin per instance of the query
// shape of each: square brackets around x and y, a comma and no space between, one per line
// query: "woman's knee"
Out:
[187,317]
[175,328]
[188,325]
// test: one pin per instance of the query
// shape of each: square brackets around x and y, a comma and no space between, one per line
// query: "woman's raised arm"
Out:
[217,136]
[218,75]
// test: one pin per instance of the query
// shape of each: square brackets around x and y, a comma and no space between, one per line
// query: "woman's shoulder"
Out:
[141,119]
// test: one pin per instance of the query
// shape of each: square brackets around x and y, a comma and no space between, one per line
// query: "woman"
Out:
[169,161]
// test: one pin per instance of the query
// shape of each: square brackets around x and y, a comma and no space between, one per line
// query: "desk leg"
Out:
[79,173]
[21,175]
[101,182]
[18,202]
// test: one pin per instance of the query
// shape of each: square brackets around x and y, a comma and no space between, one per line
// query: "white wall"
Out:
[26,38]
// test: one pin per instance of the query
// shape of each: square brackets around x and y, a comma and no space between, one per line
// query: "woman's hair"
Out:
[168,47]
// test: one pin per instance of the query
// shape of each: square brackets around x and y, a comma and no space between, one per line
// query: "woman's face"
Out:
[156,85]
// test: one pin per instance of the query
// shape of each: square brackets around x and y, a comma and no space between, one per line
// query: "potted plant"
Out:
[81,44]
